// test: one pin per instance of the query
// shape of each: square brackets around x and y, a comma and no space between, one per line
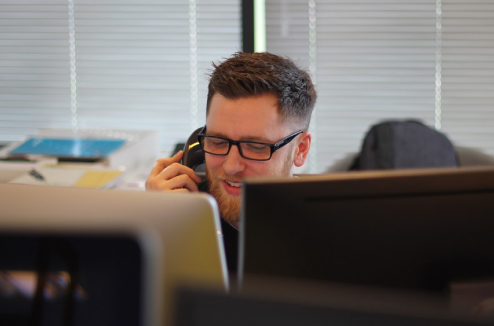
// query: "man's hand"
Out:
[168,175]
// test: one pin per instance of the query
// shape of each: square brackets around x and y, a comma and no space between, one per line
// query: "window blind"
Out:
[34,67]
[468,73]
[392,59]
[125,64]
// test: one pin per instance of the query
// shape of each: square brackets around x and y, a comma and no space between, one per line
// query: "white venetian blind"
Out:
[121,64]
[219,35]
[34,67]
[391,59]
[468,72]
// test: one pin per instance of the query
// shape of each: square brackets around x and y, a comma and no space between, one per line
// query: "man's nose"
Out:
[234,162]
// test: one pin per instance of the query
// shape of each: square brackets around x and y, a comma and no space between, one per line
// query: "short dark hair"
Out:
[253,74]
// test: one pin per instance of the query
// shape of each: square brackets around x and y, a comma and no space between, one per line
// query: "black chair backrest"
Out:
[404,144]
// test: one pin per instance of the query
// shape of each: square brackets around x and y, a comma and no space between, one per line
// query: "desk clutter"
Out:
[84,158]
[79,176]
[68,148]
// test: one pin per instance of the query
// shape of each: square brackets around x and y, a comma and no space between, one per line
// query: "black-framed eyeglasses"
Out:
[248,149]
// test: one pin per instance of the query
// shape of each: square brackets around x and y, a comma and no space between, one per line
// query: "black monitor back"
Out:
[417,229]
[88,279]
[266,302]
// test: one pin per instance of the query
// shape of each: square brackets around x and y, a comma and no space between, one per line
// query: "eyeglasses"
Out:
[248,149]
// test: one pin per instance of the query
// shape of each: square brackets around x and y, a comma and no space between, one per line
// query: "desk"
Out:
[125,168]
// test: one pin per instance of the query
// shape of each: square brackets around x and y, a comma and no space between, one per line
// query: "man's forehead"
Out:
[267,102]
[251,113]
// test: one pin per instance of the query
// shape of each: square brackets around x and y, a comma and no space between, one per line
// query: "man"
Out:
[257,118]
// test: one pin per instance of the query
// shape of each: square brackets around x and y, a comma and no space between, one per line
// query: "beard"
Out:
[229,205]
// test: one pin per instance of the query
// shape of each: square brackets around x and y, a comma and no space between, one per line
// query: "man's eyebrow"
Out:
[248,138]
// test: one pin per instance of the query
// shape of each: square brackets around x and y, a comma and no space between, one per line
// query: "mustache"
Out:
[219,175]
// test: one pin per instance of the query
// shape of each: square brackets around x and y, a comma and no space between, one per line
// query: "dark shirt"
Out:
[230,237]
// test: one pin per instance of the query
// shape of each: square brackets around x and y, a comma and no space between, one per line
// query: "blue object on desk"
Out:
[72,148]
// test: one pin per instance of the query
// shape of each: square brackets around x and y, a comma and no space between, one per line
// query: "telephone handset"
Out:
[193,153]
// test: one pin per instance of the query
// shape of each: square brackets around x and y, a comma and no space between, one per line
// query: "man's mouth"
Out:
[234,184]
[232,188]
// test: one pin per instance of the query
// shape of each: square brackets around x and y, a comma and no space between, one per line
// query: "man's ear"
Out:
[302,149]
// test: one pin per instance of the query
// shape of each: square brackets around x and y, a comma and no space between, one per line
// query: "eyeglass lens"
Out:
[248,150]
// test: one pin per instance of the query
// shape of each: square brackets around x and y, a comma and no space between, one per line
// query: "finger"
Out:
[182,190]
[181,181]
[173,184]
[176,169]
[162,163]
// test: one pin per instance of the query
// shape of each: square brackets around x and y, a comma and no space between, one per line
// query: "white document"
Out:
[52,176]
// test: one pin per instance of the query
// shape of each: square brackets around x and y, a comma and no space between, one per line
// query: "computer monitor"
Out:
[420,230]
[103,257]
[267,302]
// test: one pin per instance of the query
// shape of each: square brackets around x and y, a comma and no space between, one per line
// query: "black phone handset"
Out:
[193,153]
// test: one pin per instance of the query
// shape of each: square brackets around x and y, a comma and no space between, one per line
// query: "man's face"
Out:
[250,119]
